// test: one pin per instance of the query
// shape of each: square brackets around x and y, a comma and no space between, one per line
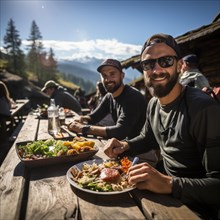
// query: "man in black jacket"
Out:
[62,97]
[183,122]
[126,105]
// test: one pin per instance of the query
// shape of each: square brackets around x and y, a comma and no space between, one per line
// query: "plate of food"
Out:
[55,151]
[101,177]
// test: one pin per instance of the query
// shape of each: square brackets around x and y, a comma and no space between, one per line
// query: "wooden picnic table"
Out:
[18,111]
[18,108]
[45,193]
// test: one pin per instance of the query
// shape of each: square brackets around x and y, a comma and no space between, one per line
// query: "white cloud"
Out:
[3,50]
[99,48]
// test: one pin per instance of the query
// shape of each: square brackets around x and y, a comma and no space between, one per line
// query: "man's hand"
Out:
[76,127]
[78,122]
[81,118]
[115,147]
[144,176]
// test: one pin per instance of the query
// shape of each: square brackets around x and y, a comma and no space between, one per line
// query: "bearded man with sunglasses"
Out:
[183,123]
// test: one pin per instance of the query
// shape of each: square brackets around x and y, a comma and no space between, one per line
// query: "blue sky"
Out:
[102,29]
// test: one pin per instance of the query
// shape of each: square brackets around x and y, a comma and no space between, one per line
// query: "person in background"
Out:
[190,74]
[96,99]
[182,123]
[80,96]
[62,97]
[6,103]
[126,105]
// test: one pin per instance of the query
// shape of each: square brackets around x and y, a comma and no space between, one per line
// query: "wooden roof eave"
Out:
[198,33]
[133,62]
[136,81]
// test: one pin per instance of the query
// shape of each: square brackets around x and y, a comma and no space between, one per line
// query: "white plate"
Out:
[79,166]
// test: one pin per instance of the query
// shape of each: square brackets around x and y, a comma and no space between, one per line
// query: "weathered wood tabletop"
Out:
[45,193]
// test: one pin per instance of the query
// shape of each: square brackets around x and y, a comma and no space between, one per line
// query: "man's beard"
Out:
[160,90]
[111,88]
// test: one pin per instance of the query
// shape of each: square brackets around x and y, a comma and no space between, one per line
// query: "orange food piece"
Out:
[125,163]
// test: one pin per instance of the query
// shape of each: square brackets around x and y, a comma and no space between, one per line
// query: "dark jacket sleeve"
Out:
[100,111]
[205,129]
[144,142]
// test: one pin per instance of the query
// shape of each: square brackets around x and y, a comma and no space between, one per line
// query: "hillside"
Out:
[79,71]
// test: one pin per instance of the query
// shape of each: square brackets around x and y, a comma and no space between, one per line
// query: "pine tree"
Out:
[49,66]
[12,41]
[35,50]
[52,65]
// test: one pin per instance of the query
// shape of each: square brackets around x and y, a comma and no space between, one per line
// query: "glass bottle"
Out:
[53,118]
[62,116]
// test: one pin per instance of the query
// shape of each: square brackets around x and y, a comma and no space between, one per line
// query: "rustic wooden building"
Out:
[204,42]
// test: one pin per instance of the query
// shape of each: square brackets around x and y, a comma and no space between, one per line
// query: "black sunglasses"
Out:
[164,62]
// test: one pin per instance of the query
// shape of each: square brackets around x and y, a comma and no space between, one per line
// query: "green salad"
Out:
[47,148]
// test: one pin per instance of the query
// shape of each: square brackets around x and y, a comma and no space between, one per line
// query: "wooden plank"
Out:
[11,186]
[119,206]
[50,194]
[160,207]
[42,132]
[12,175]
[29,129]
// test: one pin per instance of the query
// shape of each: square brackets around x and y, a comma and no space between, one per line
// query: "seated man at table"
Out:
[182,123]
[126,105]
[62,97]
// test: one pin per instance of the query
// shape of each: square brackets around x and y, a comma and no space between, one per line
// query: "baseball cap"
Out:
[162,38]
[191,58]
[110,62]
[49,84]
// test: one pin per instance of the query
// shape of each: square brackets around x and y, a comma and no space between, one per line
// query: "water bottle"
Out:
[62,116]
[53,118]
